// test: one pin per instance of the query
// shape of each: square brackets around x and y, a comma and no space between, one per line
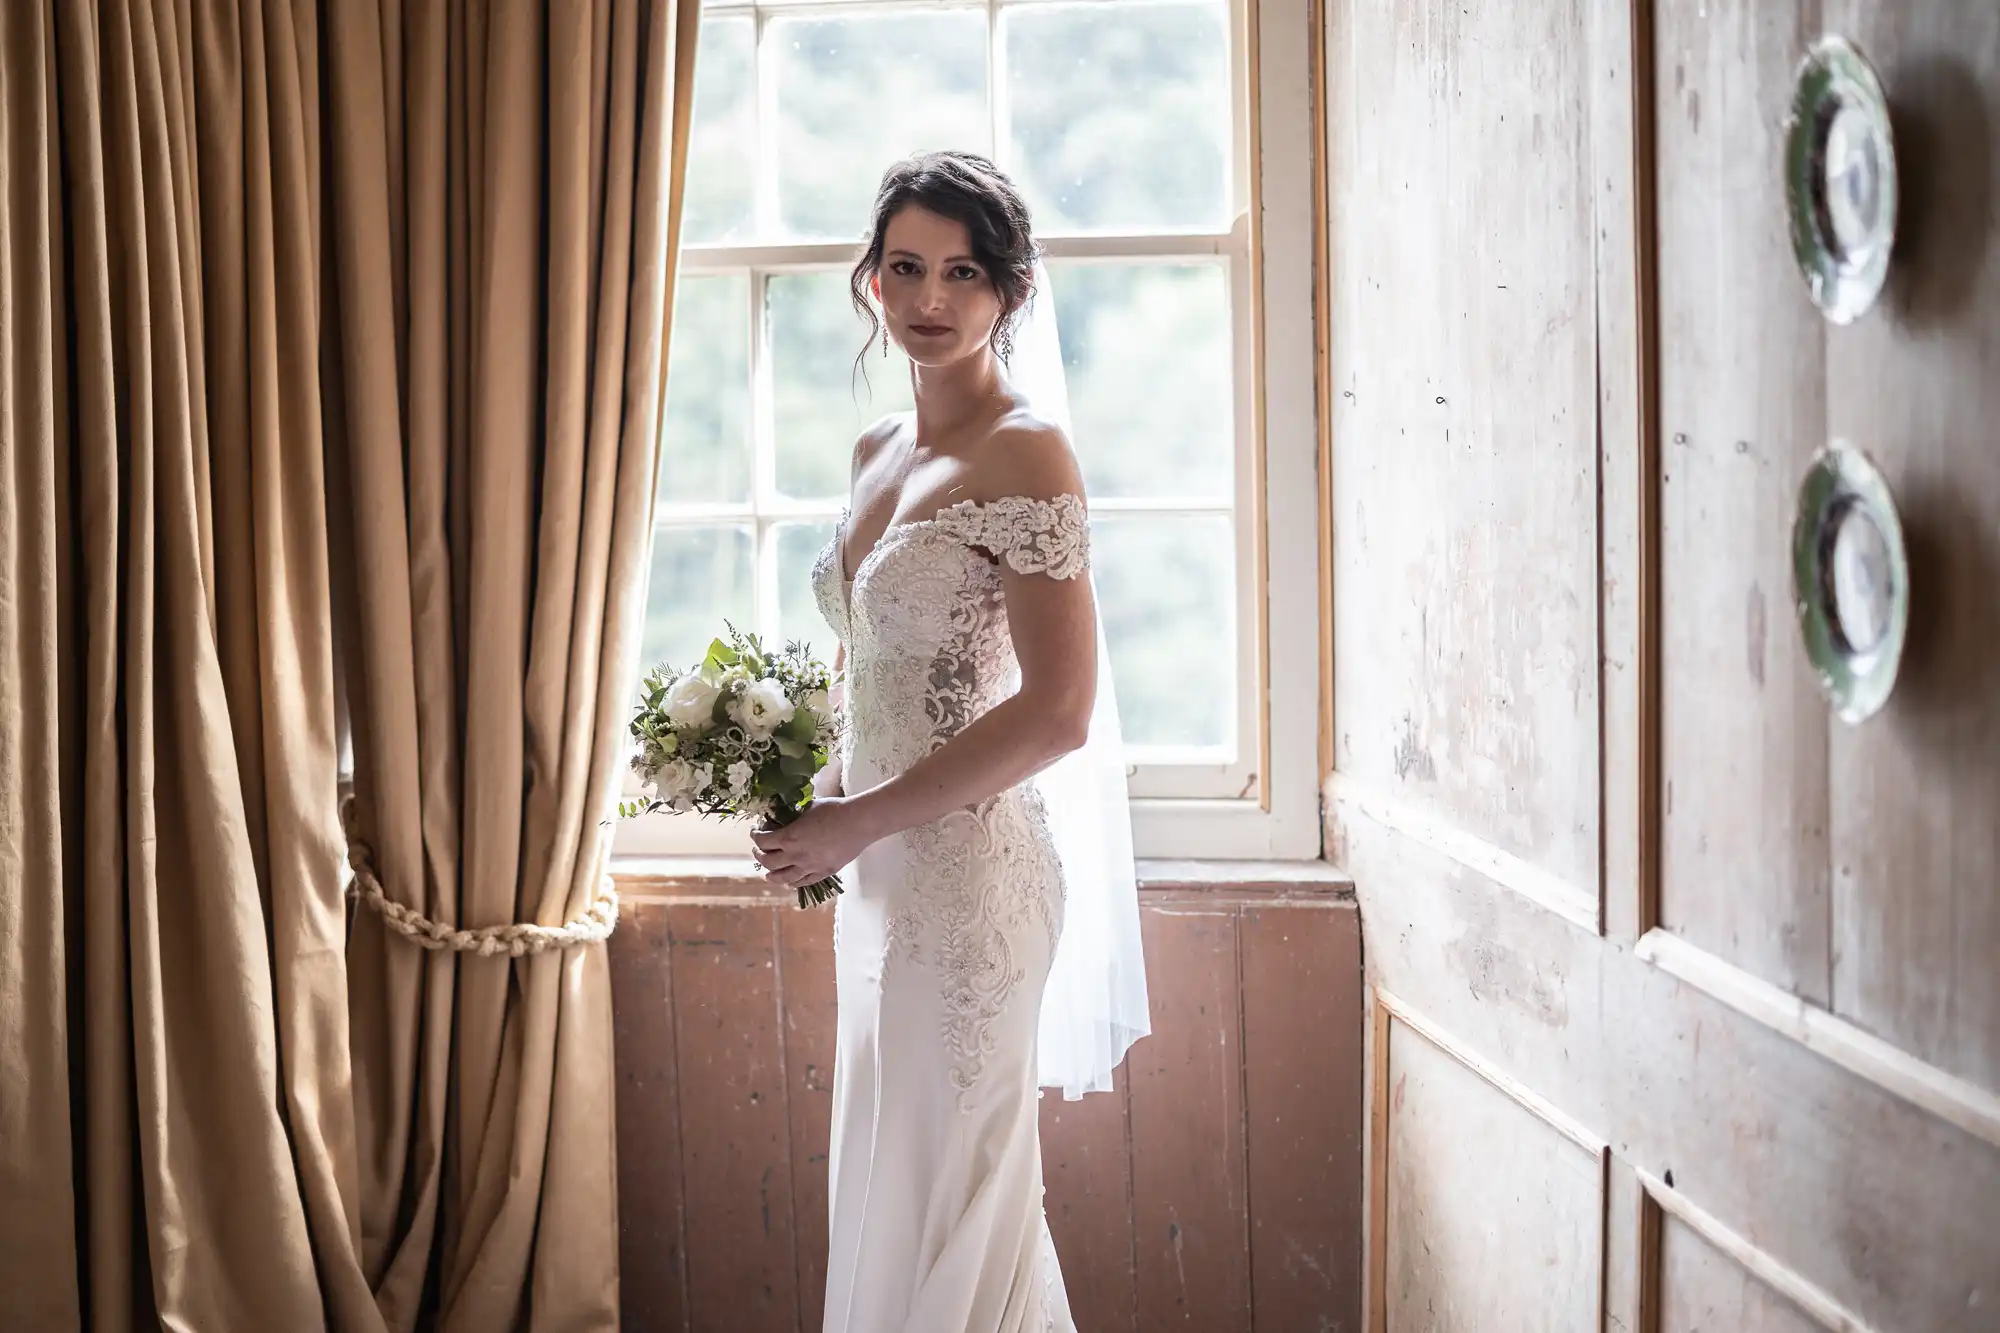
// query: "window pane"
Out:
[1147,349]
[701,577]
[798,611]
[721,187]
[1118,114]
[821,402]
[855,94]
[1169,605]
[705,442]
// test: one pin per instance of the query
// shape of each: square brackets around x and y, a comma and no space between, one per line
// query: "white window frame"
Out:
[1265,805]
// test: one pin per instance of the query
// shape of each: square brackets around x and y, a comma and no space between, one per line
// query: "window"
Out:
[1130,126]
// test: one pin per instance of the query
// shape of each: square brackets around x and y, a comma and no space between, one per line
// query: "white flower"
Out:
[740,775]
[821,703]
[759,809]
[673,780]
[691,702]
[762,708]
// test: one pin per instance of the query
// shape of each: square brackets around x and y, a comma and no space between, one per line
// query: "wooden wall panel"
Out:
[805,943]
[736,1140]
[1301,979]
[1889,1210]
[1217,1188]
[1851,866]
[1190,1211]
[1916,792]
[1704,1291]
[652,1254]
[1494,1218]
[1465,452]
[1087,1178]
[1744,735]
[1808,873]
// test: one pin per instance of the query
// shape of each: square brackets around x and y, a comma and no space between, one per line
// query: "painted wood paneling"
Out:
[1087,1172]
[1304,1126]
[652,1253]
[1189,1205]
[736,1142]
[1156,1192]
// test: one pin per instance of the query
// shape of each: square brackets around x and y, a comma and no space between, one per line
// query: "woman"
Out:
[958,585]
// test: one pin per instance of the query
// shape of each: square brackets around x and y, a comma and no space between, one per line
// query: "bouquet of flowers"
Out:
[741,735]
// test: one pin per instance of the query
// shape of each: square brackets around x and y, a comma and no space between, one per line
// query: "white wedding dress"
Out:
[942,945]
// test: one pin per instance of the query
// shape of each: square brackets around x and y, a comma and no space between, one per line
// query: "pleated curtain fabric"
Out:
[332,342]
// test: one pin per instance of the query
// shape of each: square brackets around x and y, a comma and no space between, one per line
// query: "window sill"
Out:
[727,880]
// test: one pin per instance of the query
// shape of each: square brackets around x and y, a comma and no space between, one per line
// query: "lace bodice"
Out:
[976,894]
[925,618]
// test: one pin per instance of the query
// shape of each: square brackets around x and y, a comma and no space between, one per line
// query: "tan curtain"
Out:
[331,343]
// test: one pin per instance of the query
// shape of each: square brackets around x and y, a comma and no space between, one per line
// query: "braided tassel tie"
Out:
[519,940]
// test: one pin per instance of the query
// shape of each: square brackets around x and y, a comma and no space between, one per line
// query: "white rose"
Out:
[740,776]
[691,702]
[821,703]
[762,708]
[672,780]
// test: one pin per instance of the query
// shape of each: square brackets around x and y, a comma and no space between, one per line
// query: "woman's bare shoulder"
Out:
[878,437]
[1026,456]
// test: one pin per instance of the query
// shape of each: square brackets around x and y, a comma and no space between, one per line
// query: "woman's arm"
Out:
[1055,637]
[1054,628]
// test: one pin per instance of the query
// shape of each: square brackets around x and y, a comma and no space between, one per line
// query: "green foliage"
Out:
[718,739]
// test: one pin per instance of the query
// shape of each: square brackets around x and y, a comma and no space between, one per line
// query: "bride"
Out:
[988,941]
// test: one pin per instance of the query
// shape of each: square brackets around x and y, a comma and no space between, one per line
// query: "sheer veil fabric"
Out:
[1094,1005]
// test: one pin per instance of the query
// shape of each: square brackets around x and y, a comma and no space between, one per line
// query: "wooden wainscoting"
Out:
[1217,1189]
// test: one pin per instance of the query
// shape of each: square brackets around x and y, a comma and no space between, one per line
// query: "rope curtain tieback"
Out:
[518,940]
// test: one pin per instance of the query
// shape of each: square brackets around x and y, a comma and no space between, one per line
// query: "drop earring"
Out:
[885,342]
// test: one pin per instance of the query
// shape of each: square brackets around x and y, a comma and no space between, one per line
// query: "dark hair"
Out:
[968,189]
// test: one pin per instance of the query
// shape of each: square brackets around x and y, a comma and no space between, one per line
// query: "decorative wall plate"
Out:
[1840,179]
[1850,580]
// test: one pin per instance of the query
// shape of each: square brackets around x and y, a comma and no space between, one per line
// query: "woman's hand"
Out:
[824,840]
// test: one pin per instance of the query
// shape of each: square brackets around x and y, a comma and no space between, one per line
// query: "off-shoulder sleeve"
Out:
[1033,536]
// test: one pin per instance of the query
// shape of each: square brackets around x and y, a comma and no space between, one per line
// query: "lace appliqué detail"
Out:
[829,588]
[988,872]
[1034,536]
[928,652]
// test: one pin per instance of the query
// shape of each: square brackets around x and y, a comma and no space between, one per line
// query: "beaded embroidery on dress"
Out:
[943,941]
